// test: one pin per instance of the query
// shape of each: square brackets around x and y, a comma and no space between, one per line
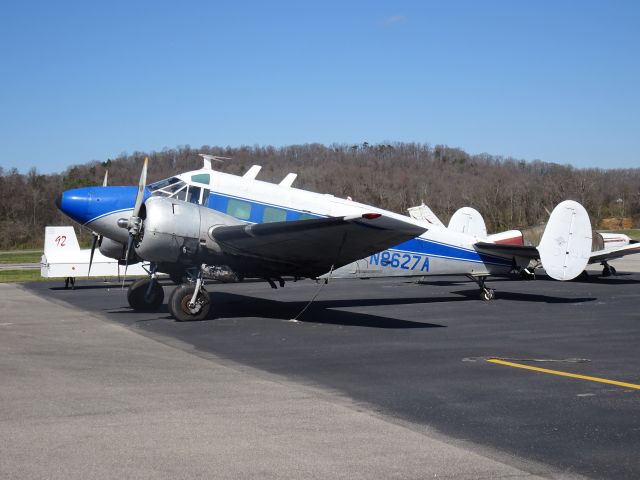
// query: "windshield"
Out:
[167,187]
[175,188]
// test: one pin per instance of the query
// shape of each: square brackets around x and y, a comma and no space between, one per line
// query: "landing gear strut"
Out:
[190,301]
[487,294]
[608,270]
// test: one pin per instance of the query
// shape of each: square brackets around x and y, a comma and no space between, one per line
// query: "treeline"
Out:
[509,193]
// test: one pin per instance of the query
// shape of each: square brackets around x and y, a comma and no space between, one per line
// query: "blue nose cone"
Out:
[87,204]
[75,203]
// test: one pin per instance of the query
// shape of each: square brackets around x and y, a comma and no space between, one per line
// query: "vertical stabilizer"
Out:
[60,242]
[425,214]
[565,246]
[469,221]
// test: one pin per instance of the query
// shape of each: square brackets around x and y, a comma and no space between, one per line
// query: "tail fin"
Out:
[424,214]
[565,246]
[468,220]
[60,242]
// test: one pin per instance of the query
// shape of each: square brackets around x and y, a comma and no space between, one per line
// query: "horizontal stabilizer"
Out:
[611,253]
[523,251]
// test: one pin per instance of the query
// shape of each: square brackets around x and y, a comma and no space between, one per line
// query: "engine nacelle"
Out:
[176,231]
[111,248]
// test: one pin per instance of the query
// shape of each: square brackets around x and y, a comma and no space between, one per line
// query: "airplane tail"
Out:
[469,221]
[60,242]
[424,214]
[565,246]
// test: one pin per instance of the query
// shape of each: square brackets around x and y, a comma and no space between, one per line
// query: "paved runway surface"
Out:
[410,358]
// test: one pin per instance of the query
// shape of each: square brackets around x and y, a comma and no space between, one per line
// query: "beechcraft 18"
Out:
[208,224]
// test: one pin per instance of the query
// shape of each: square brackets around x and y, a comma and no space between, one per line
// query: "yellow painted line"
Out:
[565,374]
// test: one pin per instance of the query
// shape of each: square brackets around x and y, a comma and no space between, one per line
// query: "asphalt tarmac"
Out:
[416,355]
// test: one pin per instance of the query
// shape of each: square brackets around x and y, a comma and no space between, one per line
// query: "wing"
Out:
[610,254]
[308,248]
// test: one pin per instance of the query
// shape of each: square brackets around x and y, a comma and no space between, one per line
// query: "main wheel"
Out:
[583,277]
[179,304]
[487,294]
[143,299]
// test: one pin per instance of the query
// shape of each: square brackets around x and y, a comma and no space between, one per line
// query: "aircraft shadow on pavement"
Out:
[230,305]
[526,297]
[458,282]
[599,280]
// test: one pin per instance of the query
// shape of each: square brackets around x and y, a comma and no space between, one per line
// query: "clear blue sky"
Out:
[550,80]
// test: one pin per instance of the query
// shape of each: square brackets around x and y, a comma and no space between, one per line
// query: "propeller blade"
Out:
[106,178]
[93,249]
[126,258]
[141,186]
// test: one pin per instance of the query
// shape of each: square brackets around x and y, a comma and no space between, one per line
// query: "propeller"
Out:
[134,223]
[97,239]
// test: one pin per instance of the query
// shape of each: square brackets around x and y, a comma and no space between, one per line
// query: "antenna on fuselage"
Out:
[209,158]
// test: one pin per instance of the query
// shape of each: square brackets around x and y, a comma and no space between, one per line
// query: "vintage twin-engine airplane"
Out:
[207,224]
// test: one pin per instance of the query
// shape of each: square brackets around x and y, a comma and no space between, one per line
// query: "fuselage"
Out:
[438,251]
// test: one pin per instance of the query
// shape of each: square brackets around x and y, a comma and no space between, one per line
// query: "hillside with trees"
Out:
[509,193]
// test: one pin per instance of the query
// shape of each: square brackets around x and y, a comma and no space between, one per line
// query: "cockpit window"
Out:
[163,183]
[170,187]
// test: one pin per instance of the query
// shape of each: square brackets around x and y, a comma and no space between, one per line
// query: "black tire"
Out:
[583,277]
[487,294]
[178,304]
[138,299]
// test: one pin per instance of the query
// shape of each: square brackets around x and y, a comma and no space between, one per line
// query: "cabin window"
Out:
[306,216]
[274,215]
[205,196]
[194,194]
[239,209]
[201,178]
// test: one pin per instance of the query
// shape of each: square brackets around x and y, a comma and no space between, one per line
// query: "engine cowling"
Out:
[176,231]
[111,248]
